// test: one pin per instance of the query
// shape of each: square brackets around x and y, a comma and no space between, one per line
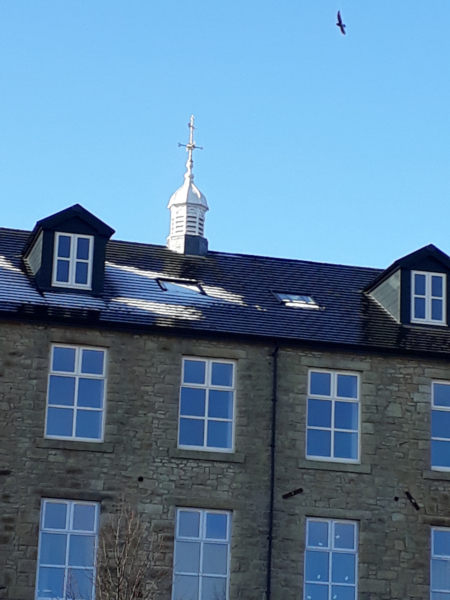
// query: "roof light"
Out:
[297,300]
[180,286]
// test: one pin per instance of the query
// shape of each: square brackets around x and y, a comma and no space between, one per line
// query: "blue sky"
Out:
[316,146]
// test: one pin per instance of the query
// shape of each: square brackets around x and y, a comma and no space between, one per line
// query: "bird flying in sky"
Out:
[340,24]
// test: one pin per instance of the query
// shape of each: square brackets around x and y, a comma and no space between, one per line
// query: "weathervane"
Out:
[190,147]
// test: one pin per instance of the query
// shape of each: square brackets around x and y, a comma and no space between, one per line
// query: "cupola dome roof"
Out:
[188,193]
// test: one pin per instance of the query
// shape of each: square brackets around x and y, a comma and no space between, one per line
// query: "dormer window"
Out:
[72,265]
[428,298]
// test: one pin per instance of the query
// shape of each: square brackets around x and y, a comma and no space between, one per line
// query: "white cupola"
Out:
[187,210]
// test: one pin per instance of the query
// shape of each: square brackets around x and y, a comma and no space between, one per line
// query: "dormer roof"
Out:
[69,215]
[412,261]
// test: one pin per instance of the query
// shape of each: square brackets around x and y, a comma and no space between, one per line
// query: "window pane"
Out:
[89,424]
[436,310]
[222,374]
[440,596]
[90,392]
[440,575]
[189,524]
[346,445]
[318,443]
[319,413]
[60,422]
[51,582]
[79,584]
[419,285]
[63,359]
[340,592]
[440,423]
[193,402]
[62,271]
[84,517]
[215,558]
[220,404]
[321,384]
[55,515]
[216,526]
[441,394]
[61,390]
[219,434]
[316,592]
[92,361]
[343,567]
[346,415]
[419,308]
[316,567]
[81,273]
[436,286]
[192,432]
[440,454]
[185,587]
[53,548]
[194,371]
[187,557]
[441,543]
[83,248]
[344,536]
[347,386]
[64,246]
[318,534]
[214,588]
[81,551]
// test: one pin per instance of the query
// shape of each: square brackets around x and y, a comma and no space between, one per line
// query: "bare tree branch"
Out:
[126,566]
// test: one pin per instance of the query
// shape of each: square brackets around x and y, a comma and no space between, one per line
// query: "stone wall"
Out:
[139,459]
[394,537]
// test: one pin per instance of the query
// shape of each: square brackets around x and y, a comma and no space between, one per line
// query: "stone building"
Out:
[282,426]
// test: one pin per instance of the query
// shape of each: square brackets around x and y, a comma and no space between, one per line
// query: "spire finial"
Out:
[190,147]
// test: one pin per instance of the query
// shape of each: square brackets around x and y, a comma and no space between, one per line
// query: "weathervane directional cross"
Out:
[190,147]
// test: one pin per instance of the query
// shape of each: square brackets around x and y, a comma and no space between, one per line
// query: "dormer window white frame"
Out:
[428,298]
[72,261]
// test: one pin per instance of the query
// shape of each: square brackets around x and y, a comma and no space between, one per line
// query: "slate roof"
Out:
[238,302]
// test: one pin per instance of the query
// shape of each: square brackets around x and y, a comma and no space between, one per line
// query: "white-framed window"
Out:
[67,548]
[202,555]
[428,301]
[76,393]
[207,404]
[72,262]
[440,425]
[333,416]
[440,563]
[331,560]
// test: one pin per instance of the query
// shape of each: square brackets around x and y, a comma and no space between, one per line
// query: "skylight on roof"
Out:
[180,287]
[297,300]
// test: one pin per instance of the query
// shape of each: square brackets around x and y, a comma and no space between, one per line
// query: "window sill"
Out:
[427,326]
[318,465]
[75,445]
[232,457]
[437,475]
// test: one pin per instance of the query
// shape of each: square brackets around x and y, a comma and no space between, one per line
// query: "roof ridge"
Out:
[258,256]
